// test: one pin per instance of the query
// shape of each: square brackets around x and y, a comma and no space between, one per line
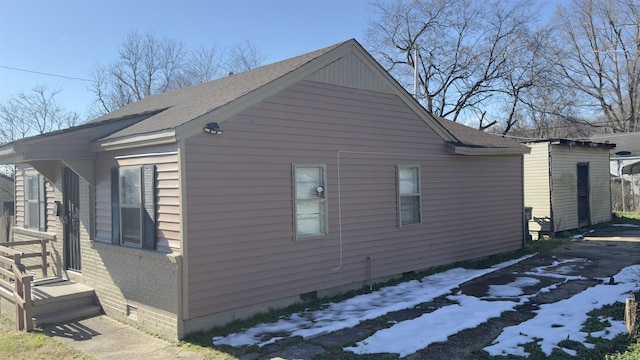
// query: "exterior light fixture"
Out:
[212,128]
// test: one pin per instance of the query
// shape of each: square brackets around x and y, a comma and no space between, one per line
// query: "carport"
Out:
[624,169]
[628,170]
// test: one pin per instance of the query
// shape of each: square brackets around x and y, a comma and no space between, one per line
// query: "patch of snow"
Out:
[551,324]
[570,313]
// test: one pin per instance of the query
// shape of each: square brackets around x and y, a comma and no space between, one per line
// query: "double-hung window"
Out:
[133,206]
[310,196]
[130,206]
[409,211]
[34,202]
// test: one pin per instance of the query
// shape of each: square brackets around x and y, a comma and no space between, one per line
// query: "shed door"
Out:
[583,194]
[71,197]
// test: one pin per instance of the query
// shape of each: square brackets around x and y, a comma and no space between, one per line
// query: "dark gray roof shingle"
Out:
[475,138]
[186,104]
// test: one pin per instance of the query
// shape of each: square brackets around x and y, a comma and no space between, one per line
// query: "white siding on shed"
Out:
[564,160]
[537,191]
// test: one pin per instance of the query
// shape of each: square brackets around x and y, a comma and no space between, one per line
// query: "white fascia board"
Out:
[471,151]
[150,139]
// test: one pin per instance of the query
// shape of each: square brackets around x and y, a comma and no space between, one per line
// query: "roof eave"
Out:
[458,149]
[235,106]
[148,139]
[12,153]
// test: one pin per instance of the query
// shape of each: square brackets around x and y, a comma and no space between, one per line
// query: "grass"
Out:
[20,345]
[632,353]
[626,217]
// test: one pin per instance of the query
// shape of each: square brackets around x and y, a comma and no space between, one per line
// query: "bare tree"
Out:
[598,56]
[470,56]
[33,113]
[145,65]
[202,65]
[244,56]
[148,65]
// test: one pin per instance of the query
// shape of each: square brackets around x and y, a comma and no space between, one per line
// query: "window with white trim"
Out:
[310,201]
[130,206]
[409,204]
[133,206]
[34,202]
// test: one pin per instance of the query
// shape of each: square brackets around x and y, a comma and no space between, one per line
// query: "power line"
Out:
[45,73]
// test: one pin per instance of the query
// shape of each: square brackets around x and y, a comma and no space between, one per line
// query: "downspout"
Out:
[525,227]
[182,308]
[550,170]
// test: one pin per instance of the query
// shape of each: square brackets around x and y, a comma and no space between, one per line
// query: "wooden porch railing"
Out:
[15,276]
[42,254]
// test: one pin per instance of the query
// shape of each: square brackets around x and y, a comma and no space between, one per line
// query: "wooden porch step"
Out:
[58,301]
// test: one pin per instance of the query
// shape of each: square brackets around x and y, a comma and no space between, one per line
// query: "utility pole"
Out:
[415,71]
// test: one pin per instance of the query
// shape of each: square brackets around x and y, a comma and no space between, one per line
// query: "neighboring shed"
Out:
[625,169]
[566,182]
[303,178]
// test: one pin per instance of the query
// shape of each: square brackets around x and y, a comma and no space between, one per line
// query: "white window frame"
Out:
[402,194]
[124,205]
[318,197]
[36,198]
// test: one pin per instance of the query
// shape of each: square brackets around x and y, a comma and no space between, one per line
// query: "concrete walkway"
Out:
[105,339]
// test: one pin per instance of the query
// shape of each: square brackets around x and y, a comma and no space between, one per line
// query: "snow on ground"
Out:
[564,319]
[348,313]
[627,225]
[552,323]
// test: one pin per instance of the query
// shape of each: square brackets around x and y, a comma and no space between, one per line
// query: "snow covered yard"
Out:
[549,327]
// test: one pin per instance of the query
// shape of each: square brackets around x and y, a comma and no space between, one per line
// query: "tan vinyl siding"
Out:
[167,192]
[72,147]
[50,198]
[537,193]
[565,204]
[21,172]
[350,71]
[19,198]
[240,206]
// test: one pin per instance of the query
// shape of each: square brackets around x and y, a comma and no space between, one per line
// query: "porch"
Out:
[28,302]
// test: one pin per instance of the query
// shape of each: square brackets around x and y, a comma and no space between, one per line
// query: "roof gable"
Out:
[189,109]
[187,104]
[177,115]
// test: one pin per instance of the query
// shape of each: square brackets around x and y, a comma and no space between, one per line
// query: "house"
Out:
[7,205]
[624,168]
[300,179]
[6,193]
[566,183]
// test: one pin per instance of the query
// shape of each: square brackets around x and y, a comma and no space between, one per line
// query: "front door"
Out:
[584,218]
[71,198]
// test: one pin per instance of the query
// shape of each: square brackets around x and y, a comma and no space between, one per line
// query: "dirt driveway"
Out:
[607,251]
[600,255]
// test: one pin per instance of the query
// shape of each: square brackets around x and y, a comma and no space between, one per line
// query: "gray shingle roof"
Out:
[186,104]
[475,138]
[624,141]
